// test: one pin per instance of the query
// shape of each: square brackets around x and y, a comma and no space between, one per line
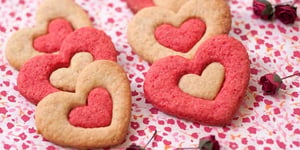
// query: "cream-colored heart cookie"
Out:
[65,78]
[52,112]
[19,47]
[170,4]
[141,29]
[205,86]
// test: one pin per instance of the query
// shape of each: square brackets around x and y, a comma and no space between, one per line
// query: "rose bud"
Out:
[270,83]
[134,147]
[263,9]
[209,143]
[286,14]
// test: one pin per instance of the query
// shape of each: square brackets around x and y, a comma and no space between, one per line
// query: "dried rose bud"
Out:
[286,14]
[134,147]
[270,83]
[263,9]
[209,143]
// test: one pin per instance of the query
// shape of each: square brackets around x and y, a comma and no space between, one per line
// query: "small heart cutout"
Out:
[65,78]
[58,29]
[205,86]
[97,113]
[183,38]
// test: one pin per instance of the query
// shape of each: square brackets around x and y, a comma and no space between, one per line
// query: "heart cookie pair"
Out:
[69,70]
[97,102]
[196,72]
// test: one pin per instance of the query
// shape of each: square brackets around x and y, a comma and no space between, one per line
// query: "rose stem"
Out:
[296,74]
[150,139]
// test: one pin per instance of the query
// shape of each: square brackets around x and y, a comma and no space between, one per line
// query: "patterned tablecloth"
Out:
[262,122]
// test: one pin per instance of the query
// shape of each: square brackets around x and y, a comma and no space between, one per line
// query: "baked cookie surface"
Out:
[52,112]
[35,75]
[142,27]
[20,46]
[162,90]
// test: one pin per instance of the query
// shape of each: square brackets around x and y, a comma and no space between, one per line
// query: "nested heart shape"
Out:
[56,127]
[205,86]
[161,82]
[141,28]
[97,112]
[19,47]
[58,29]
[33,79]
[65,78]
[182,38]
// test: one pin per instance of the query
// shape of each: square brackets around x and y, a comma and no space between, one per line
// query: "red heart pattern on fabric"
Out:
[33,79]
[161,82]
[182,38]
[58,29]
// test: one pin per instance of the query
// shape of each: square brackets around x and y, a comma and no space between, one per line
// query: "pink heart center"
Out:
[58,29]
[180,39]
[97,113]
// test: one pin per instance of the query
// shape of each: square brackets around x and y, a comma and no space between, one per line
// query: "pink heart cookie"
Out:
[33,79]
[161,83]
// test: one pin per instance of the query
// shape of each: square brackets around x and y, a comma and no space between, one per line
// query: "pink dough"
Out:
[182,38]
[97,113]
[136,5]
[58,29]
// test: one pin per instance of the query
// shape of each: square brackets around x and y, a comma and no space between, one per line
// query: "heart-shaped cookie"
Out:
[20,48]
[205,86]
[58,29]
[162,90]
[33,79]
[141,28]
[136,5]
[52,112]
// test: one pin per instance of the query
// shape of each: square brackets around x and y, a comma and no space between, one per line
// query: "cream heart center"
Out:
[205,86]
[65,78]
